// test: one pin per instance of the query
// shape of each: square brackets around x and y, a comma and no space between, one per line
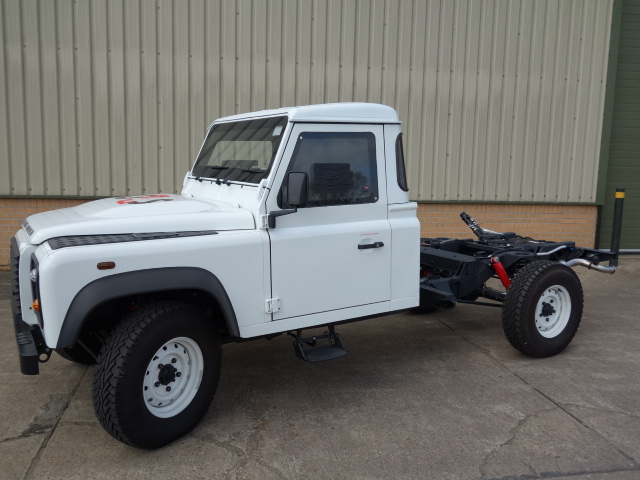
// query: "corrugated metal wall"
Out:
[502,99]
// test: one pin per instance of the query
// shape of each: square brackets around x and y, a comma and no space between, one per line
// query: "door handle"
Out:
[370,245]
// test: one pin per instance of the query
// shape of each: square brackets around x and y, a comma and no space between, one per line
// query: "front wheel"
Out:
[157,374]
[543,309]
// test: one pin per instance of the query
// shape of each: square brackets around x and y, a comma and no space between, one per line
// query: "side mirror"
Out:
[297,187]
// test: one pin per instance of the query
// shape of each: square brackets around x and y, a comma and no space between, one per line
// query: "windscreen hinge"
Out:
[264,222]
[272,305]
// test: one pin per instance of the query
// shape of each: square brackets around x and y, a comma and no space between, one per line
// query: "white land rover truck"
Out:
[289,219]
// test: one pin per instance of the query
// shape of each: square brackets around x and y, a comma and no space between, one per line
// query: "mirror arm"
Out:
[279,213]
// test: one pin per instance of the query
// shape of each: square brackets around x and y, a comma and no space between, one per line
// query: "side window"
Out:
[341,168]
[400,170]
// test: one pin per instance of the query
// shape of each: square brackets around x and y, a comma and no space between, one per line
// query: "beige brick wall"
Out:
[548,222]
[543,222]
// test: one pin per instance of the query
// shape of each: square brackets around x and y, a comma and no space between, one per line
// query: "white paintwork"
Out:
[316,265]
[346,112]
[310,266]
[154,213]
[405,258]
[404,224]
[235,257]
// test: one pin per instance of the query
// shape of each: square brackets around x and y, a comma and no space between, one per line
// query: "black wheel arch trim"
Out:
[139,282]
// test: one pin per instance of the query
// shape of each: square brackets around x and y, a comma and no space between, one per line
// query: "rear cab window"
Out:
[400,168]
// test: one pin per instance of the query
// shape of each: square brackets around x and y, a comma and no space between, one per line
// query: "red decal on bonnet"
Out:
[149,198]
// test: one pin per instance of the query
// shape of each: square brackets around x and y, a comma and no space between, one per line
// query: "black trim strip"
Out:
[79,240]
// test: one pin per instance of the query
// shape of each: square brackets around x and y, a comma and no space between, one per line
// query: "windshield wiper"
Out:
[252,171]
[211,167]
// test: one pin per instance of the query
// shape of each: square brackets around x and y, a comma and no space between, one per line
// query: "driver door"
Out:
[334,253]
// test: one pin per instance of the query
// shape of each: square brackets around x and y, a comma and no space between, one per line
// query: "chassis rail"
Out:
[456,270]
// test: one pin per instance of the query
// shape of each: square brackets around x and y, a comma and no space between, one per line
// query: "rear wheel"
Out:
[157,374]
[543,309]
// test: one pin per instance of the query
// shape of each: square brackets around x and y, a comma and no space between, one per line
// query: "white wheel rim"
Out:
[172,377]
[553,311]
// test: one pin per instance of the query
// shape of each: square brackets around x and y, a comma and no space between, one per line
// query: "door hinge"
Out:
[272,305]
[264,221]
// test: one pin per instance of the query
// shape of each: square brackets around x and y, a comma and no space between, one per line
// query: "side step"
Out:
[333,349]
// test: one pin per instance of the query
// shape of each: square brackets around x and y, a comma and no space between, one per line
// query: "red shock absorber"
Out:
[502,273]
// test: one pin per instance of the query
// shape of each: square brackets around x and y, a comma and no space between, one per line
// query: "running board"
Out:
[306,348]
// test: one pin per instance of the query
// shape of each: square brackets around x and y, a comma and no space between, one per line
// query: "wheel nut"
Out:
[168,389]
[160,366]
[178,374]
[174,360]
[157,384]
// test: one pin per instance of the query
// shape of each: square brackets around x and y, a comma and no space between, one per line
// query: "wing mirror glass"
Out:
[297,188]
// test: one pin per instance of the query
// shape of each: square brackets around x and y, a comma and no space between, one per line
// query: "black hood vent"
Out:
[27,227]
[80,240]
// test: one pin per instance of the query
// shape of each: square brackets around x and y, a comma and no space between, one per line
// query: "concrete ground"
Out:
[438,396]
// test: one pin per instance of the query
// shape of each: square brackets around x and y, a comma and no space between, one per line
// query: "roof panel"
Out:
[328,112]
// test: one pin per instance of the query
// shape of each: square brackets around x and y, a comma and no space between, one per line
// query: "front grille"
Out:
[14,259]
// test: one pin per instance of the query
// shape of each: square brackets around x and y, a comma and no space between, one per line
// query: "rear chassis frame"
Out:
[456,270]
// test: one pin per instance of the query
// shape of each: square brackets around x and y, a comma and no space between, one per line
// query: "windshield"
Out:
[240,151]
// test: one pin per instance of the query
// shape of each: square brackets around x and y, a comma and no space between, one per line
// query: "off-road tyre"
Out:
[126,379]
[551,293]
[76,354]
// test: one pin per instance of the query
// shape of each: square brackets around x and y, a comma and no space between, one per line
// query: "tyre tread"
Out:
[513,311]
[115,358]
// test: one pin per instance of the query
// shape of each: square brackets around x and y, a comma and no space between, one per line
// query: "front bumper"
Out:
[28,338]
[27,347]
